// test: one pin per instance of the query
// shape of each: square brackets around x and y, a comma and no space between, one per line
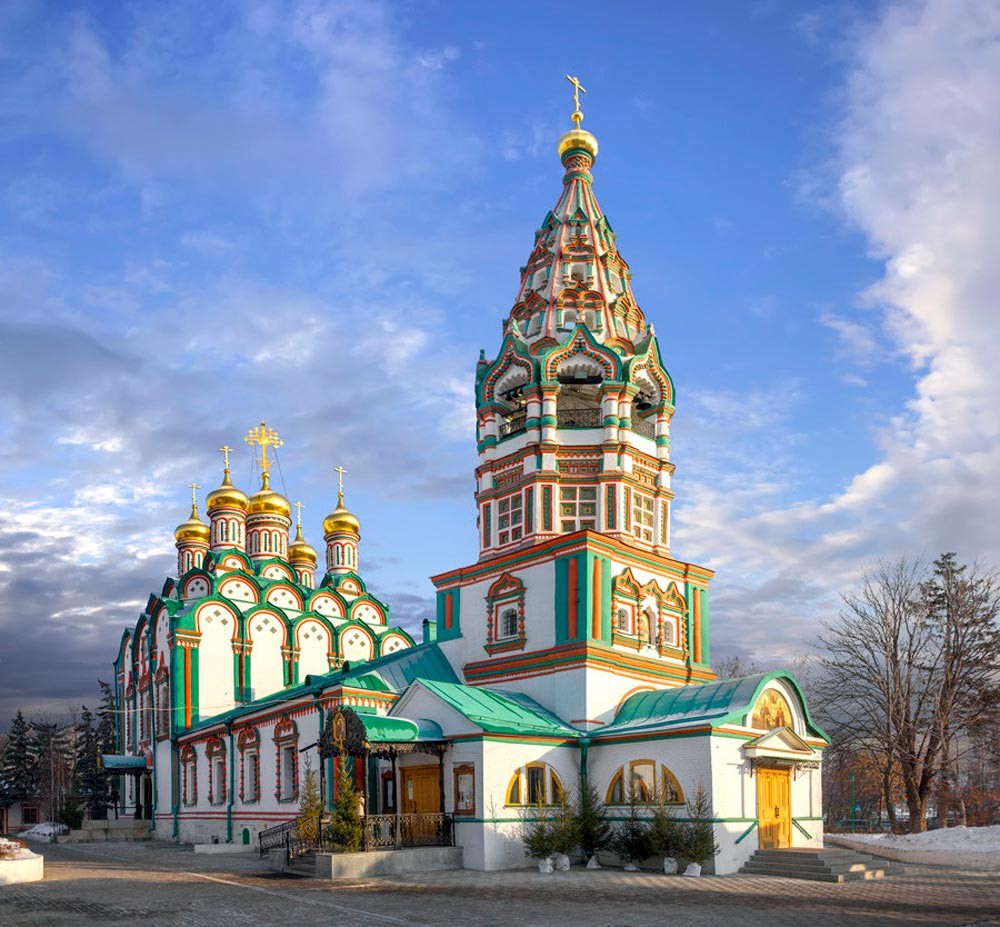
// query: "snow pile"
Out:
[44,831]
[964,847]
[11,849]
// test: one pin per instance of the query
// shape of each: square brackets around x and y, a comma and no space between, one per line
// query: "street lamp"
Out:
[850,779]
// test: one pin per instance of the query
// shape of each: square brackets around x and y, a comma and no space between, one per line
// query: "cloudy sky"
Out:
[315,212]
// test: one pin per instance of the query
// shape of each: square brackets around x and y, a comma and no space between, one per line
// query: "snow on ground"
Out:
[968,847]
[11,849]
[44,831]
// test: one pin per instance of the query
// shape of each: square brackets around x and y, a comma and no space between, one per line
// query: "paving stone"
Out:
[165,886]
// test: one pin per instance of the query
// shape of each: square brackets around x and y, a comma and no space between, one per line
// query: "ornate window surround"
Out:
[506,592]
[189,776]
[286,734]
[215,750]
[248,743]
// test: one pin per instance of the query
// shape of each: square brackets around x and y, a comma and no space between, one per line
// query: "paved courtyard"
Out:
[164,886]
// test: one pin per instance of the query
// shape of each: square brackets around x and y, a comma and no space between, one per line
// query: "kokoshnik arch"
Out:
[575,648]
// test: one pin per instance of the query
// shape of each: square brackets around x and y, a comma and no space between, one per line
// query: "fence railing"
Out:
[514,424]
[381,832]
[645,427]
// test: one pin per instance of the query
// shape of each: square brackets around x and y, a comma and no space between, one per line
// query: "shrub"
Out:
[631,836]
[667,835]
[347,830]
[701,845]
[538,833]
[307,823]
[565,828]
[592,820]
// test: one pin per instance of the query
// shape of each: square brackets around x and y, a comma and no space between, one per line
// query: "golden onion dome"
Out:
[340,520]
[268,502]
[300,550]
[226,496]
[194,529]
[578,139]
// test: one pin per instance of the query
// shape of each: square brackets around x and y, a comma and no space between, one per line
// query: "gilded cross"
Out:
[263,437]
[340,471]
[578,88]
[226,451]
[298,513]
[194,492]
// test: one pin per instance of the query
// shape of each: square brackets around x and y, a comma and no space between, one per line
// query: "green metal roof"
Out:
[381,729]
[110,761]
[713,704]
[500,712]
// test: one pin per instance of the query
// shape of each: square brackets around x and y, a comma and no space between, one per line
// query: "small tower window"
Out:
[510,519]
[508,623]
[624,620]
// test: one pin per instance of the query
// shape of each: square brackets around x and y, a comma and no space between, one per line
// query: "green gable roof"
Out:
[500,712]
[380,729]
[711,704]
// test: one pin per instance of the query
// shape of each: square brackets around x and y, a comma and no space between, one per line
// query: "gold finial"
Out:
[298,515]
[226,450]
[194,494]
[264,437]
[578,88]
[340,471]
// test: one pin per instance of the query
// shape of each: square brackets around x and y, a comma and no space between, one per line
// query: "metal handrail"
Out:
[274,838]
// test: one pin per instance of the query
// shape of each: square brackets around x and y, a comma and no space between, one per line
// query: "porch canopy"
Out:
[356,734]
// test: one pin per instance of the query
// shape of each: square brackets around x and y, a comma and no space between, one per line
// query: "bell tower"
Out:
[575,596]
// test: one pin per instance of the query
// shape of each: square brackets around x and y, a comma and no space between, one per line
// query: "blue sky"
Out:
[315,213]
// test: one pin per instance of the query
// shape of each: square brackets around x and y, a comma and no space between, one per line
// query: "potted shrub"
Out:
[538,835]
[631,836]
[666,837]
[700,844]
[565,834]
[592,824]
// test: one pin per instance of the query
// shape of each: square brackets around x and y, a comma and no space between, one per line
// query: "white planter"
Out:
[561,862]
[631,867]
[669,865]
[592,863]
[27,869]
[693,869]
[545,865]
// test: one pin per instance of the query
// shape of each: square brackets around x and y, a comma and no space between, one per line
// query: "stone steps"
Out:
[304,865]
[825,865]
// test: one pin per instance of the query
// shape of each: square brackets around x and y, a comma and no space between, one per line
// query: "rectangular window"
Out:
[529,510]
[218,781]
[642,516]
[251,776]
[510,526]
[546,508]
[508,622]
[29,815]
[577,508]
[536,785]
[287,773]
[487,526]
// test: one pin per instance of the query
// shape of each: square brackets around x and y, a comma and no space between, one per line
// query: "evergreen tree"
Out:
[107,736]
[538,834]
[700,843]
[19,769]
[565,828]
[666,833]
[632,835]
[592,820]
[310,807]
[91,784]
[346,828]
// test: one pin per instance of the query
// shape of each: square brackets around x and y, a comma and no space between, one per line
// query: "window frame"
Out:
[665,781]
[555,791]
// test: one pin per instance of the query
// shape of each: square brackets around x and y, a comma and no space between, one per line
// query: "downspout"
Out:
[154,726]
[232,784]
[584,747]
[175,792]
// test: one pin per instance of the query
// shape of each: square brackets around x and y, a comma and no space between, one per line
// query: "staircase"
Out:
[825,865]
[304,865]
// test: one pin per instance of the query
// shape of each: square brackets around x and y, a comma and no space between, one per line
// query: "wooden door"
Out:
[421,795]
[774,808]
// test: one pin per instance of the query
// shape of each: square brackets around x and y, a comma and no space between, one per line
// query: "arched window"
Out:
[642,786]
[535,784]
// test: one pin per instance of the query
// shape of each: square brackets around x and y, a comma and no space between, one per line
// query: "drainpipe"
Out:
[232,784]
[584,747]
[175,792]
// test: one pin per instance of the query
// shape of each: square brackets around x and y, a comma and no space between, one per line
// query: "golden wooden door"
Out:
[774,808]
[421,795]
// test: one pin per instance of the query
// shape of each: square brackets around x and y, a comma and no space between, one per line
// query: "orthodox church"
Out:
[574,649]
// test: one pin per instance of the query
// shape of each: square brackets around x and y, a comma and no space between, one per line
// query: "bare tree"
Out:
[908,665]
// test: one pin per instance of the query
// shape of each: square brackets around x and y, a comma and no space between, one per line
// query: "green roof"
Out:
[110,761]
[500,712]
[380,729]
[711,704]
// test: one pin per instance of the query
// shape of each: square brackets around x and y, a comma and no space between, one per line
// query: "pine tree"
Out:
[666,833]
[107,736]
[631,836]
[310,807]
[701,845]
[346,828]
[19,769]
[565,828]
[90,782]
[592,820]
[538,834]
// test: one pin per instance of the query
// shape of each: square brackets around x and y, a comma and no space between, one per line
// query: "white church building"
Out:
[574,648]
